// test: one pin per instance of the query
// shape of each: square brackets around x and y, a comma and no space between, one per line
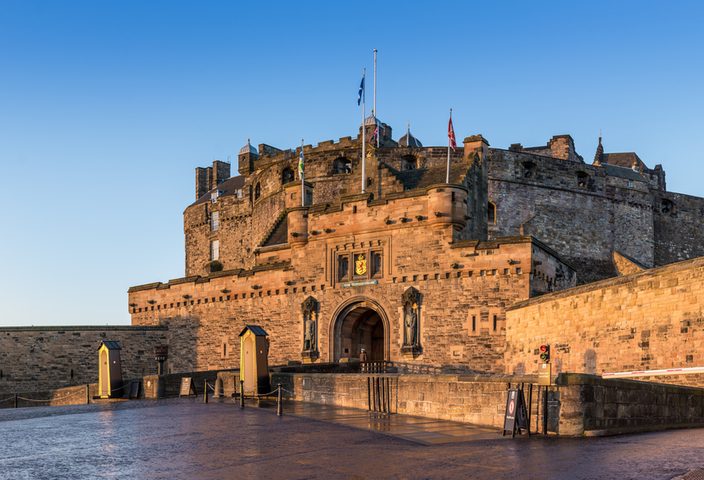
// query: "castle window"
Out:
[528,169]
[215,250]
[343,267]
[287,176]
[495,322]
[376,266]
[582,180]
[72,374]
[238,193]
[491,213]
[474,323]
[257,191]
[214,221]
[409,162]
[224,349]
[341,165]
[667,206]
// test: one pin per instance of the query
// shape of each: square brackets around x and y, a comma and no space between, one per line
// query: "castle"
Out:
[522,246]
[417,270]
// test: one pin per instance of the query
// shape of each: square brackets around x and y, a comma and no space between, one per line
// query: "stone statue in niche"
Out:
[310,308]
[411,324]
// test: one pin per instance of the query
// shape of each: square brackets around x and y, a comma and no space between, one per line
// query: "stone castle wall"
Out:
[584,218]
[44,358]
[456,283]
[245,222]
[645,321]
[586,212]
[679,228]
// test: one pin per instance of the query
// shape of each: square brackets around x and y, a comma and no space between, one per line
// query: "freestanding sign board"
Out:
[516,416]
[187,387]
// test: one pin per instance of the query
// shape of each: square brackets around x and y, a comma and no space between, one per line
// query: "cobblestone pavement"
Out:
[190,440]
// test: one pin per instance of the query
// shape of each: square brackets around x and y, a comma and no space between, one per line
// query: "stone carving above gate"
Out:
[411,300]
[311,309]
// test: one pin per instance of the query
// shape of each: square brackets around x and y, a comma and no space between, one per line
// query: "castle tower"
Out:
[409,140]
[246,158]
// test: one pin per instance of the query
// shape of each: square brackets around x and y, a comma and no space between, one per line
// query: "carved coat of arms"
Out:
[360,264]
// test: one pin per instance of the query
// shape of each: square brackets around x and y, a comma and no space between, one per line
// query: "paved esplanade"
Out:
[186,439]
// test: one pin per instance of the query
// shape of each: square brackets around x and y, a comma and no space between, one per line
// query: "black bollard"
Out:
[205,391]
[279,402]
[241,393]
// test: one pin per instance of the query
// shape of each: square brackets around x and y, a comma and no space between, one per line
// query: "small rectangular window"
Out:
[474,323]
[495,322]
[343,267]
[376,264]
[214,221]
[215,250]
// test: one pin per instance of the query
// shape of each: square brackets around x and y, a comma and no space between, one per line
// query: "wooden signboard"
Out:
[516,416]
[545,374]
[187,387]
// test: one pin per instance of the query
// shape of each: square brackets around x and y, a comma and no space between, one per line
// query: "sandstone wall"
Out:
[470,399]
[593,406]
[645,321]
[43,358]
[578,404]
[461,286]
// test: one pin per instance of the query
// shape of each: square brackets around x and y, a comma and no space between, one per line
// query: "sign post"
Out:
[516,416]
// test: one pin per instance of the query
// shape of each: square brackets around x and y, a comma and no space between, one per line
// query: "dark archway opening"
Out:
[360,328]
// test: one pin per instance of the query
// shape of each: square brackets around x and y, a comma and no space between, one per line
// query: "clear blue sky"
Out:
[106,107]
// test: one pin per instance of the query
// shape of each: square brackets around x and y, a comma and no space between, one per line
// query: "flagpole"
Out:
[447,173]
[364,136]
[374,106]
[301,162]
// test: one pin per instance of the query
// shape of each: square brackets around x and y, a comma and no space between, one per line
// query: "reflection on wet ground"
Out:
[426,431]
[184,438]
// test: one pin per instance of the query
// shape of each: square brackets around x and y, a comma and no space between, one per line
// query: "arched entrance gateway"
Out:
[360,323]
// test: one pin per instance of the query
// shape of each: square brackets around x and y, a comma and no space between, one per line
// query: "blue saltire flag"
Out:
[300,164]
[361,92]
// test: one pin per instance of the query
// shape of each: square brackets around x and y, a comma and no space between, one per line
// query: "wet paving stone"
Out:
[183,438]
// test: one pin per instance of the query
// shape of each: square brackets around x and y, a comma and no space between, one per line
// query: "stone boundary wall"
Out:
[593,406]
[75,395]
[580,404]
[475,399]
[645,321]
[40,359]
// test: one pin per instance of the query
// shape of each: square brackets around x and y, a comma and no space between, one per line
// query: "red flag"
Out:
[451,134]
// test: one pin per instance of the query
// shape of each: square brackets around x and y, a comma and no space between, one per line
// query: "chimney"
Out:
[562,147]
[202,181]
[221,172]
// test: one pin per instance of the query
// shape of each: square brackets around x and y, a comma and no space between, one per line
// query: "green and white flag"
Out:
[300,164]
